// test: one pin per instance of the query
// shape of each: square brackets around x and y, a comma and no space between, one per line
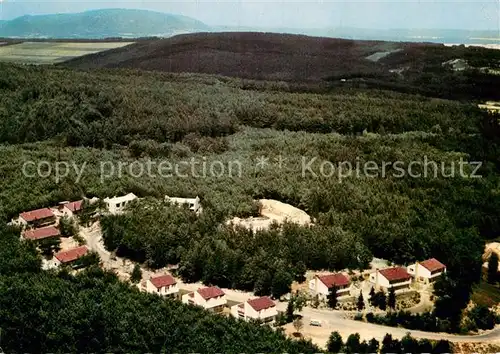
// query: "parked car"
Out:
[315,323]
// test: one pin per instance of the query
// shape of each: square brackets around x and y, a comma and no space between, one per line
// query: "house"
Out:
[41,233]
[427,271]
[35,218]
[117,204]
[320,285]
[396,277]
[211,298]
[262,308]
[192,203]
[163,285]
[71,209]
[69,256]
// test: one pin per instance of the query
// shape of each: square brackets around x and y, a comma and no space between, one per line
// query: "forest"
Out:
[86,117]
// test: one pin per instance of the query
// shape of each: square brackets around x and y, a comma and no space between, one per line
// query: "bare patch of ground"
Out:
[273,211]
[380,55]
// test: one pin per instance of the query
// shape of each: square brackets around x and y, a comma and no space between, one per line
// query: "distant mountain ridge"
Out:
[101,24]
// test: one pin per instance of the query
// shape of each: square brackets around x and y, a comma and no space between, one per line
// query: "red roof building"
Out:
[41,233]
[433,265]
[261,303]
[74,206]
[395,274]
[36,215]
[72,254]
[339,280]
[162,281]
[210,293]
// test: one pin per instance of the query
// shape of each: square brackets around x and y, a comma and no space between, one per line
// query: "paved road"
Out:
[336,321]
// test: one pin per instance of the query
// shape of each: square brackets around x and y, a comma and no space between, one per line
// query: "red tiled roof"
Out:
[74,206]
[334,279]
[432,265]
[261,303]
[163,280]
[396,273]
[209,293]
[44,232]
[38,214]
[72,254]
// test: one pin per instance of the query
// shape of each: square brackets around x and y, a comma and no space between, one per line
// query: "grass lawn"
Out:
[486,294]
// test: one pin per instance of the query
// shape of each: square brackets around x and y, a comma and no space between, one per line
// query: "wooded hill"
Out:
[406,67]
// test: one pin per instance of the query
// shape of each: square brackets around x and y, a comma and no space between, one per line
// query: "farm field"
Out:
[52,52]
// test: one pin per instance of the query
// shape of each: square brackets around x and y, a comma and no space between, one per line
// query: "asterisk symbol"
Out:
[262,162]
[280,160]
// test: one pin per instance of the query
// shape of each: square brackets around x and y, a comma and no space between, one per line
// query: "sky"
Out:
[376,14]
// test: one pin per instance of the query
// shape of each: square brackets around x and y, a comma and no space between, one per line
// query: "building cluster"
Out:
[213,299]
[42,224]
[398,278]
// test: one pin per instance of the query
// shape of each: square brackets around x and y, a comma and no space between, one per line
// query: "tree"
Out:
[315,302]
[289,311]
[67,226]
[493,268]
[390,345]
[361,301]
[424,346]
[442,347]
[332,297]
[409,344]
[281,284]
[300,271]
[482,316]
[298,324]
[352,344]
[372,294]
[373,346]
[299,301]
[49,245]
[335,343]
[391,299]
[136,275]
[379,300]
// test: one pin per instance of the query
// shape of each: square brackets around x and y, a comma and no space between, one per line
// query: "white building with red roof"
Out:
[41,233]
[212,298]
[320,285]
[68,257]
[427,271]
[37,218]
[164,285]
[262,308]
[395,277]
[71,209]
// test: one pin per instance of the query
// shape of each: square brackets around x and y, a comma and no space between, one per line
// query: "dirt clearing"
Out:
[273,211]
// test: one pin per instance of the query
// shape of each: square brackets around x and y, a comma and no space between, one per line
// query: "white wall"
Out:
[419,271]
[319,288]
[206,304]
[166,290]
[250,313]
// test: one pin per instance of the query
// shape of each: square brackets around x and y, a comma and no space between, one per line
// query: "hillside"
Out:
[100,24]
[397,66]
[254,55]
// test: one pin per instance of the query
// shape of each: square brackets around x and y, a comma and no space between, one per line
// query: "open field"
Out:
[52,52]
